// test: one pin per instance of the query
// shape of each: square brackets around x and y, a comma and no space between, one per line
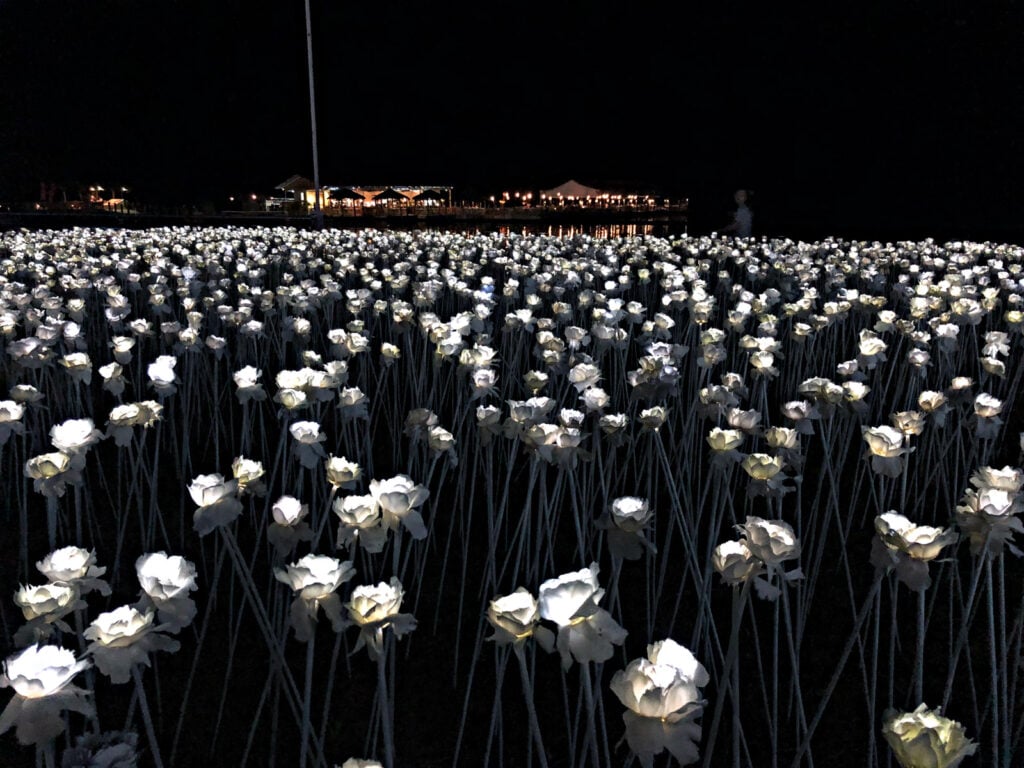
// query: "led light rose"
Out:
[515,619]
[907,548]
[361,521]
[75,436]
[771,541]
[734,562]
[166,583]
[217,502]
[315,579]
[123,638]
[41,678]
[925,738]
[921,542]
[74,566]
[585,631]
[399,499]
[374,608]
[11,414]
[663,684]
[342,473]
[249,475]
[43,607]
[662,696]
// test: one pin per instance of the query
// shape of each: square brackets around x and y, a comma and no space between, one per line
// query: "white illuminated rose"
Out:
[586,632]
[164,577]
[342,473]
[289,511]
[663,699]
[166,583]
[925,738]
[663,684]
[11,414]
[734,562]
[75,436]
[886,449]
[123,638]
[249,474]
[161,374]
[761,466]
[217,501]
[399,499]
[315,580]
[75,566]
[770,541]
[921,542]
[515,619]
[374,608]
[724,440]
[361,521]
[41,678]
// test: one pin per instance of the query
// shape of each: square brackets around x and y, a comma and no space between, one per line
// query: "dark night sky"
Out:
[896,116]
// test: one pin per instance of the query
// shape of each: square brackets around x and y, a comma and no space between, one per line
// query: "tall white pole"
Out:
[318,214]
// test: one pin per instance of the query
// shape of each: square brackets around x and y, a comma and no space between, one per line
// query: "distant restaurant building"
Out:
[301,190]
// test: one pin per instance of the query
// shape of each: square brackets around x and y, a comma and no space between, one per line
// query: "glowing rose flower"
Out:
[122,346]
[595,399]
[771,541]
[907,548]
[802,413]
[74,566]
[989,517]
[440,440]
[908,422]
[79,366]
[663,684]
[291,399]
[662,696]
[653,418]
[584,376]
[123,638]
[361,521]
[352,403]
[44,607]
[355,762]
[11,414]
[735,563]
[247,384]
[249,474]
[921,542]
[342,473]
[885,447]
[399,498]
[585,631]
[315,580]
[515,619]
[374,608]
[161,374]
[75,436]
[217,502]
[625,523]
[41,678]
[925,738]
[724,440]
[166,583]
[761,466]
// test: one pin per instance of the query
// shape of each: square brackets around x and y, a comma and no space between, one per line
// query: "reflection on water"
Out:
[601,231]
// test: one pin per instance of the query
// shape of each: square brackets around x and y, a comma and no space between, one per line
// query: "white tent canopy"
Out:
[573,188]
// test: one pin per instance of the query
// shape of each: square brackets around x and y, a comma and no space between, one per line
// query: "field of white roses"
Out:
[295,498]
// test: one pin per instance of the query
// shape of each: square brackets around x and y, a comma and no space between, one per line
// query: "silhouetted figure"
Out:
[742,218]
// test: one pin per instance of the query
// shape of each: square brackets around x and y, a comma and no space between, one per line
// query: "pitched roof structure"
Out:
[573,188]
